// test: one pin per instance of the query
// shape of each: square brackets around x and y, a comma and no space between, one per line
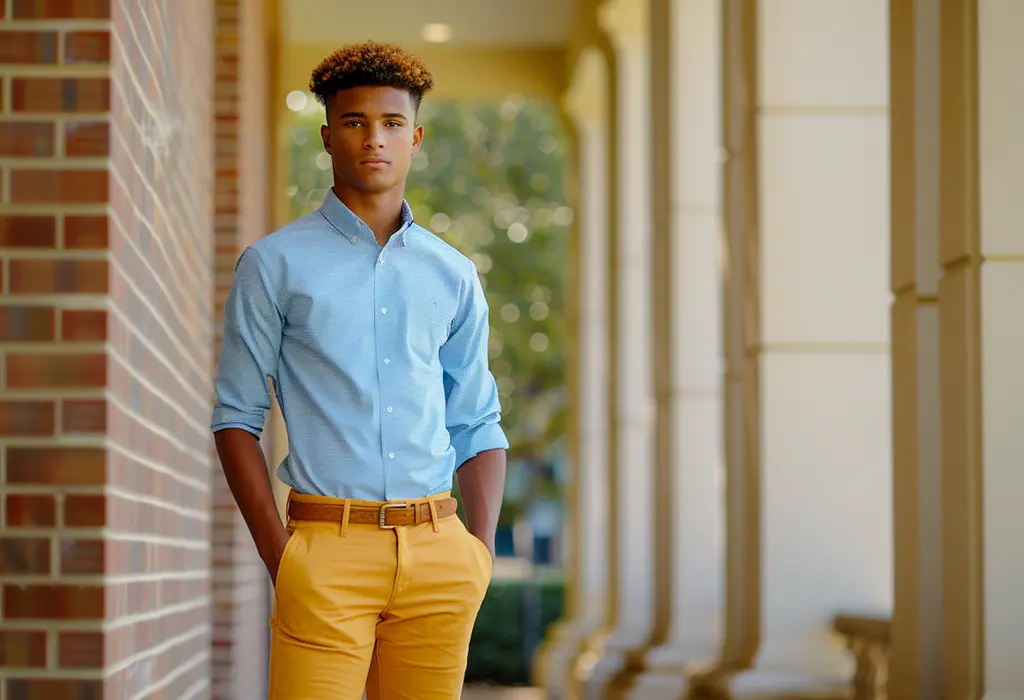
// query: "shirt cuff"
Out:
[472,441]
[225,417]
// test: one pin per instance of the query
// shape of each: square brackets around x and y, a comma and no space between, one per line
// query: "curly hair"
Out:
[371,64]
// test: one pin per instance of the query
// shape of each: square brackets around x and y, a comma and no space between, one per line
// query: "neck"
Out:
[381,211]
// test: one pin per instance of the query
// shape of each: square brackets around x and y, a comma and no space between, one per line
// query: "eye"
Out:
[353,123]
[394,124]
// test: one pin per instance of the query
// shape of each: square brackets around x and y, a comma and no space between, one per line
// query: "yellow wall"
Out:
[472,73]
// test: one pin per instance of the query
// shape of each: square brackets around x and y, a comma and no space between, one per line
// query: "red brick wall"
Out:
[106,348]
[133,169]
[240,581]
[160,356]
[54,98]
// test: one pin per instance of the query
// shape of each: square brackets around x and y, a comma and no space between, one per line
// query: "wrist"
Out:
[272,545]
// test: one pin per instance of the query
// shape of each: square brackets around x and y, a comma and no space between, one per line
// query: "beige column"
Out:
[825,393]
[631,518]
[982,342]
[741,335]
[1000,246]
[741,329]
[586,103]
[917,628]
[686,38]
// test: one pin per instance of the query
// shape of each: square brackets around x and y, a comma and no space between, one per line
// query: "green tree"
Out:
[489,180]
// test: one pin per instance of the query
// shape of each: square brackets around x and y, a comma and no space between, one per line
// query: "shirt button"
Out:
[390,410]
[387,361]
[384,310]
[391,455]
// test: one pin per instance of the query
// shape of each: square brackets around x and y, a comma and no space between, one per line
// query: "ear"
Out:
[325,136]
[417,138]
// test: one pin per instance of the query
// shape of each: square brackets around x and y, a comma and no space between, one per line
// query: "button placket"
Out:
[382,335]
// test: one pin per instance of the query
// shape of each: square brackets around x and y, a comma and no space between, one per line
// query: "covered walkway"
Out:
[796,338]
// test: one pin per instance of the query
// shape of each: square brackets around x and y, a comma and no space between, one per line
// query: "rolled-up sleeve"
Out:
[250,348]
[473,410]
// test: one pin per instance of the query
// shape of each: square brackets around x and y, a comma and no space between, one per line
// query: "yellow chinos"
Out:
[391,610]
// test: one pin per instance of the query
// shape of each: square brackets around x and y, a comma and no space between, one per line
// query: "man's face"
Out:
[371,134]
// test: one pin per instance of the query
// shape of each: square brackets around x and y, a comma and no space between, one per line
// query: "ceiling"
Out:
[476,23]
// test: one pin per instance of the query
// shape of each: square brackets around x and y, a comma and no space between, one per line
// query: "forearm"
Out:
[245,469]
[482,485]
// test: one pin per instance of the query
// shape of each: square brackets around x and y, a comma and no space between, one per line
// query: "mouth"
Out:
[376,162]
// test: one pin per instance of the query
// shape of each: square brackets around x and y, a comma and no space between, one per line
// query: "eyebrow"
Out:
[362,115]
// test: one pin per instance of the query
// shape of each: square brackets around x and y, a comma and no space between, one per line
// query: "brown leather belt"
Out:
[384,516]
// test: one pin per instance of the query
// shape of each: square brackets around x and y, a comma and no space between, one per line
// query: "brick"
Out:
[85,232]
[24,555]
[61,9]
[27,231]
[57,466]
[38,94]
[59,186]
[82,557]
[26,139]
[54,689]
[22,649]
[27,418]
[26,323]
[85,510]
[87,139]
[31,510]
[87,47]
[56,371]
[80,649]
[83,416]
[84,325]
[58,276]
[56,602]
[28,47]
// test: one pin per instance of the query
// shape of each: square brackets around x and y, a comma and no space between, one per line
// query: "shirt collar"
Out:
[353,228]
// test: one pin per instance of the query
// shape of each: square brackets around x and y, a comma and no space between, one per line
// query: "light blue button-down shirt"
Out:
[377,356]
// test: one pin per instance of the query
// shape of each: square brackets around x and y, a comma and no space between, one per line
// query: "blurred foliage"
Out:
[513,620]
[489,181]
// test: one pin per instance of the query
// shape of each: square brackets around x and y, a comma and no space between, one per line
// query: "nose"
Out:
[374,138]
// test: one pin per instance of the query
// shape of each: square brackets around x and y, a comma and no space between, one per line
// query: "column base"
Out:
[666,672]
[597,667]
[553,662]
[761,684]
[659,685]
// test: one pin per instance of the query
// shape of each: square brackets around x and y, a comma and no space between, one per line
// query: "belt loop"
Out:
[344,517]
[433,514]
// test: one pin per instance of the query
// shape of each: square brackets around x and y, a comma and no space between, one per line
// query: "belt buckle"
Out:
[383,512]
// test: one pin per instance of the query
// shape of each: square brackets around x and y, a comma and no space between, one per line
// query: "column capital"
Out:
[586,98]
[626,22]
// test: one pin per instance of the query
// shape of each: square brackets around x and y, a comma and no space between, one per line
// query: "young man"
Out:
[374,333]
